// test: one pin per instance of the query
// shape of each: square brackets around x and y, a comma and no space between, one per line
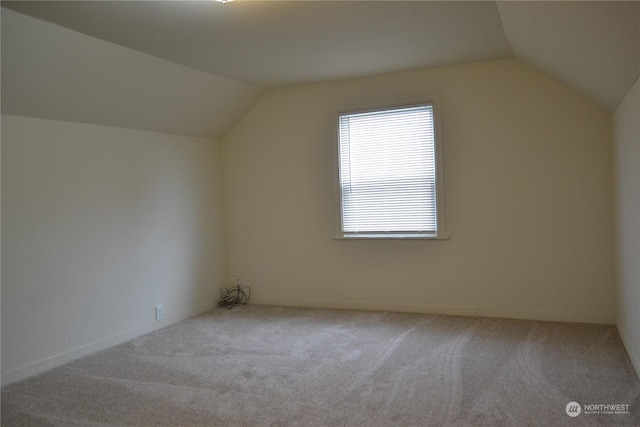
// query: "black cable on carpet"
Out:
[236,295]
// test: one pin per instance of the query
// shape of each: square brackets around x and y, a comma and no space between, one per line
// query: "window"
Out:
[389,174]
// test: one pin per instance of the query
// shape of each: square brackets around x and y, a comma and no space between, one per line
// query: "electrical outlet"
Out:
[159,312]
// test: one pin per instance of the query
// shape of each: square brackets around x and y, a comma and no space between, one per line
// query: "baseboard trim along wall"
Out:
[634,357]
[440,309]
[85,350]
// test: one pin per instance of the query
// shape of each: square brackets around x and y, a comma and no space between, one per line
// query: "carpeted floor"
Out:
[275,366]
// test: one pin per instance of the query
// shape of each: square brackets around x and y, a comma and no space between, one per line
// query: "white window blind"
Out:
[388,172]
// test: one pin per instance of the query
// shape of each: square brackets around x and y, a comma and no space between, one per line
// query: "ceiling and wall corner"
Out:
[194,68]
[591,46]
[277,44]
[51,72]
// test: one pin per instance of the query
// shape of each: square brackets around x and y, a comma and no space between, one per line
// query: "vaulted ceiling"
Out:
[593,47]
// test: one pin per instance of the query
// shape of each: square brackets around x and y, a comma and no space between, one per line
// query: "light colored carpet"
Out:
[276,366]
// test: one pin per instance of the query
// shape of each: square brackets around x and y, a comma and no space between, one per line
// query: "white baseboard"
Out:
[633,355]
[441,309]
[87,349]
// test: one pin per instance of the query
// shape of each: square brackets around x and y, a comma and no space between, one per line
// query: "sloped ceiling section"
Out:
[195,67]
[54,73]
[591,46]
[286,43]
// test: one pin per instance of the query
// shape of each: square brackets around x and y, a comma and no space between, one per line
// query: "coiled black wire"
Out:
[236,295]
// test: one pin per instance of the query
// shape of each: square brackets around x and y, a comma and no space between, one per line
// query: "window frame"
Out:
[440,233]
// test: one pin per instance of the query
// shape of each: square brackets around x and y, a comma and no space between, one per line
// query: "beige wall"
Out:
[99,225]
[528,177]
[626,121]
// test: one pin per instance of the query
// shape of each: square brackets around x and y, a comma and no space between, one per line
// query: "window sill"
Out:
[391,237]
